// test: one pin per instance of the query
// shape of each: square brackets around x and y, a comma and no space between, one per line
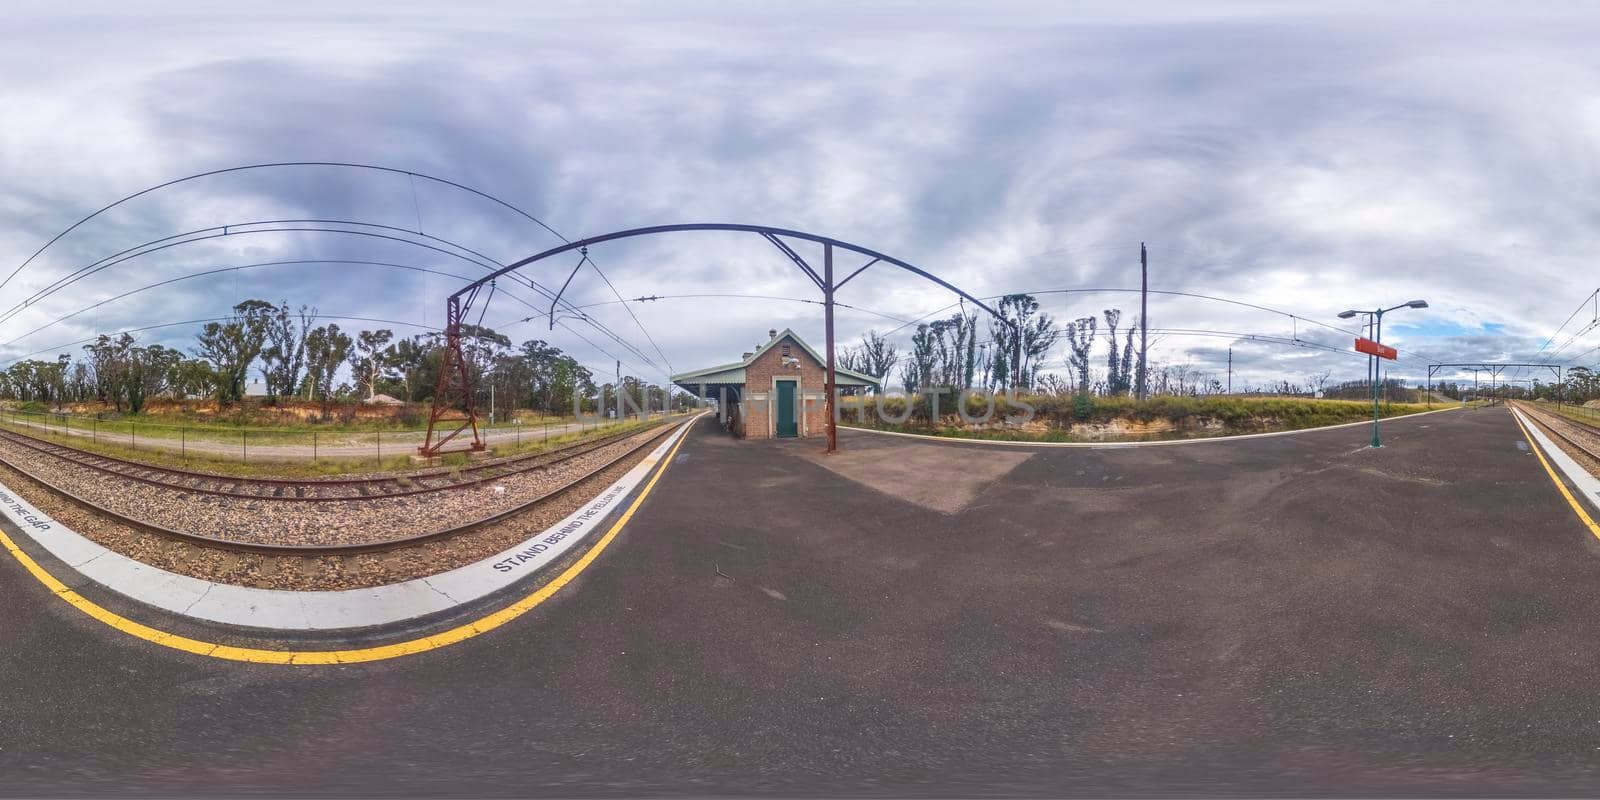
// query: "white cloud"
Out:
[1308,164]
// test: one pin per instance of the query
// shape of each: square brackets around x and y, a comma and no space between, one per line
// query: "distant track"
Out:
[1581,435]
[309,489]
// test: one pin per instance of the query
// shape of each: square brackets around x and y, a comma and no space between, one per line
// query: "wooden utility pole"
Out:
[827,315]
[1230,370]
[1144,319]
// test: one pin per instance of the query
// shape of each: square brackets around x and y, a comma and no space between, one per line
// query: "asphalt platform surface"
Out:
[1297,615]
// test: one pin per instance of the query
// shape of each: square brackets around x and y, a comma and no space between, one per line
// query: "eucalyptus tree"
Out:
[1038,333]
[283,357]
[326,348]
[367,363]
[1080,339]
[234,344]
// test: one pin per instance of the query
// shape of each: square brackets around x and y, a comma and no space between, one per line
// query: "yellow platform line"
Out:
[1572,501]
[260,656]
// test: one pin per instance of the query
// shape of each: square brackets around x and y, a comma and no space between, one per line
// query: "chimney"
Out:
[772,333]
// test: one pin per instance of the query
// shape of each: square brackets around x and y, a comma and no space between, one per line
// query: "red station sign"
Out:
[1373,348]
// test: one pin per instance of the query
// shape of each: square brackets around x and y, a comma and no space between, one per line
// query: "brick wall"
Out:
[758,382]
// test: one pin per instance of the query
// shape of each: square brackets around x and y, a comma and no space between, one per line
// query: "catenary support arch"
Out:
[447,422]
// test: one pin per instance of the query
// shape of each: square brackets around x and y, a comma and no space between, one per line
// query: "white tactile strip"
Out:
[324,610]
[1587,484]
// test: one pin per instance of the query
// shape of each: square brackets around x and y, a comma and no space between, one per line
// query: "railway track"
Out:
[308,490]
[1586,440]
[647,438]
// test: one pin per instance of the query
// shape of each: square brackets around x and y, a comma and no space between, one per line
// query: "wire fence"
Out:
[243,444]
[1584,413]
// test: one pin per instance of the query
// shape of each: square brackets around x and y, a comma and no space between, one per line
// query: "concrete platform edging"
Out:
[1587,484]
[1156,443]
[281,609]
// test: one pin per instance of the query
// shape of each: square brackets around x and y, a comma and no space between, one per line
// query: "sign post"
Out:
[1373,348]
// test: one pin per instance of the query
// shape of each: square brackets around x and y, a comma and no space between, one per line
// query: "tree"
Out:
[1319,381]
[1113,361]
[109,358]
[918,372]
[284,355]
[1119,366]
[1051,383]
[147,372]
[326,349]
[407,362]
[878,355]
[1080,339]
[191,377]
[875,356]
[367,365]
[233,345]
[1038,334]
[1127,357]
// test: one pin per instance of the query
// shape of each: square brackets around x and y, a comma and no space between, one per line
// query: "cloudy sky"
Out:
[1303,161]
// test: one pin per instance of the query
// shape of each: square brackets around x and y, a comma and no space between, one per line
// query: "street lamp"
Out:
[1377,336]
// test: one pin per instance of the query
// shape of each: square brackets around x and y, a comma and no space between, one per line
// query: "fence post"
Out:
[519,435]
[313,447]
[133,436]
[183,443]
[94,431]
[244,439]
[380,450]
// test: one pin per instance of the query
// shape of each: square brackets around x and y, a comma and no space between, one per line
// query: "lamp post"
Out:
[1377,328]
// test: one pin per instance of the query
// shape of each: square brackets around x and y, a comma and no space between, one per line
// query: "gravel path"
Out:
[334,523]
[316,573]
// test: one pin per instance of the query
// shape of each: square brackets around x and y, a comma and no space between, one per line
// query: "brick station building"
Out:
[777,391]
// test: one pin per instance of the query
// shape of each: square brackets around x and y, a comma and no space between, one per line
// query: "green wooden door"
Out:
[787,426]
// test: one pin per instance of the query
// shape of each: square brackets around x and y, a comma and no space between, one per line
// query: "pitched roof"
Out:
[734,373]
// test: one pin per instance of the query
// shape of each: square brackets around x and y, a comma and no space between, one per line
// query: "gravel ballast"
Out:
[325,524]
[333,572]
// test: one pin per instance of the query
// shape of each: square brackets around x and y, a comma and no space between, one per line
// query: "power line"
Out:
[729,295]
[218,231]
[142,329]
[221,270]
[1594,297]
[1196,295]
[272,165]
[411,176]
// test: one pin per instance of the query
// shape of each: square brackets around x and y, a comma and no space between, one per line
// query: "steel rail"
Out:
[130,469]
[1545,419]
[346,549]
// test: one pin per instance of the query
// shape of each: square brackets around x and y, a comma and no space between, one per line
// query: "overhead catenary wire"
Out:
[279,226]
[1168,292]
[602,350]
[1593,297]
[511,323]
[204,320]
[221,270]
[411,176]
